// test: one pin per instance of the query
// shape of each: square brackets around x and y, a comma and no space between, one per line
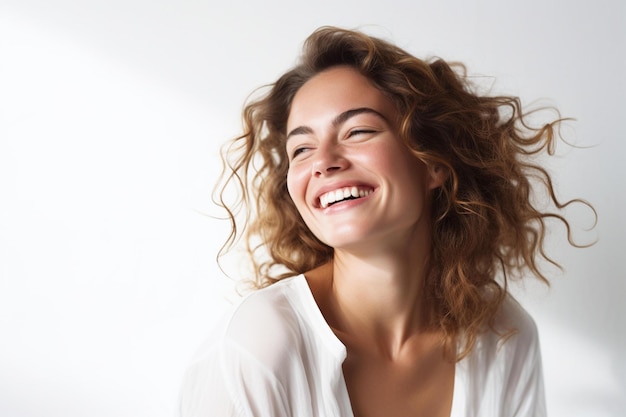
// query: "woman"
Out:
[389,205]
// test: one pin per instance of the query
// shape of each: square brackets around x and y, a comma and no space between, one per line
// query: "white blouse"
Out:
[274,355]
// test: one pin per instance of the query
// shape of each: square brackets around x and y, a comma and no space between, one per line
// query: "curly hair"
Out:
[486,225]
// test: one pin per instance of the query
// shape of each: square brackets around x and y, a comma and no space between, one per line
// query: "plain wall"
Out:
[111,117]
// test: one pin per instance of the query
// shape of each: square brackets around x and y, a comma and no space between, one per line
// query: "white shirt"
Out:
[274,355]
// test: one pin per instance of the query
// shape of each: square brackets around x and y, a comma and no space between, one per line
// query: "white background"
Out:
[111,116]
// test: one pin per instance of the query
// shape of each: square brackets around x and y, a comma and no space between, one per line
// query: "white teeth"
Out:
[343,193]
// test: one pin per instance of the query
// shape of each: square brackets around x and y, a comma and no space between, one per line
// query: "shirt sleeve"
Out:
[228,381]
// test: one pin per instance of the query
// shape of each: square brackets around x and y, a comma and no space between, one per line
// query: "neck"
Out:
[377,298]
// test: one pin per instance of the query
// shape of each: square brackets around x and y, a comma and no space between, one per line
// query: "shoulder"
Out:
[262,326]
[247,362]
[515,328]
[503,373]
[268,311]
[509,346]
[513,334]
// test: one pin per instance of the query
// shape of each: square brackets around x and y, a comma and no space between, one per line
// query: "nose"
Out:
[328,160]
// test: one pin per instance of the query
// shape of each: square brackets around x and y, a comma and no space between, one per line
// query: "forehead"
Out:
[334,91]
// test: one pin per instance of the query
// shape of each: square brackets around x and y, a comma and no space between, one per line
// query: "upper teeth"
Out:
[342,194]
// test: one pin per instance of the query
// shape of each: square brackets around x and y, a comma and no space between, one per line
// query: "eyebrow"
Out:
[337,121]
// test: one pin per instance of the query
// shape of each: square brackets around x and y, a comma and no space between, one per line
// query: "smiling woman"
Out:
[346,143]
[393,204]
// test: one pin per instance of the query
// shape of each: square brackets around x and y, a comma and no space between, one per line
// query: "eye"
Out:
[299,151]
[357,132]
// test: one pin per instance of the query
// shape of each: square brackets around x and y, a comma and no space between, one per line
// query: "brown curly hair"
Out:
[486,227]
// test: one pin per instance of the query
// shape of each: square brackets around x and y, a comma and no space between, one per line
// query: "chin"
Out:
[345,239]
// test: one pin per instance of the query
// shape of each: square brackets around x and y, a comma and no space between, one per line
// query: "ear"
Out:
[437,175]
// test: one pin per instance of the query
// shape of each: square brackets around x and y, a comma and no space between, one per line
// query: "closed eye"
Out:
[298,151]
[360,132]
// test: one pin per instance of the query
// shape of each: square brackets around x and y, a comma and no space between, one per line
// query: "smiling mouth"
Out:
[342,194]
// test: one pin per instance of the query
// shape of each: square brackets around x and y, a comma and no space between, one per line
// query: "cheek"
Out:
[296,187]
